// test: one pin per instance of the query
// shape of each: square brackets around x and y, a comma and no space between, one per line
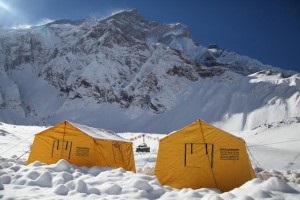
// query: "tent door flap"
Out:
[61,149]
[198,154]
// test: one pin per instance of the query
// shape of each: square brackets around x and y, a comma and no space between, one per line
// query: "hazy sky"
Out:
[268,30]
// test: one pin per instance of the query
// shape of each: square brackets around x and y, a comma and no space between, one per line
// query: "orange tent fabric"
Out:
[203,156]
[82,146]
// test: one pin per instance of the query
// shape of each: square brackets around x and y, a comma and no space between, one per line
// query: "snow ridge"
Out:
[137,73]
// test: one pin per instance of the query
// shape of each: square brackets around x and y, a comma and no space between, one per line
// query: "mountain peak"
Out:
[128,14]
[133,71]
[66,21]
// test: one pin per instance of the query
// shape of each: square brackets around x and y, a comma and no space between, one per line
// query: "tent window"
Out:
[198,154]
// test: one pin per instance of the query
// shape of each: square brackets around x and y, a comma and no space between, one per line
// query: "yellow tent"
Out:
[201,155]
[83,146]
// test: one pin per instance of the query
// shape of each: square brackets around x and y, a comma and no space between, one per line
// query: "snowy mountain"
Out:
[126,73]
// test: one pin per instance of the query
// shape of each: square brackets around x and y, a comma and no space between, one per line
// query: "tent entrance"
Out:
[198,163]
[198,155]
[61,149]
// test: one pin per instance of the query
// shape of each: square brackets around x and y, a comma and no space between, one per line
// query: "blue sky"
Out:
[268,30]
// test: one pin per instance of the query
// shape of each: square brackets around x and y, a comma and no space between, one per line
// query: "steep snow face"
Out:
[265,98]
[214,56]
[126,73]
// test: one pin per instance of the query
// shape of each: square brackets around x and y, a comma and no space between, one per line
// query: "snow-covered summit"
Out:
[124,69]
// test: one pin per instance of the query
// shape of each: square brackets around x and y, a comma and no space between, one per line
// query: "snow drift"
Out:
[64,181]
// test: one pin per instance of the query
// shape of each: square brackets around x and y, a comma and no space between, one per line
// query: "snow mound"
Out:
[66,181]
[111,188]
[62,166]
[44,180]
[275,184]
[61,190]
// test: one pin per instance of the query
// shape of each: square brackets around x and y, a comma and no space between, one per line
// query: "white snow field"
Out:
[275,151]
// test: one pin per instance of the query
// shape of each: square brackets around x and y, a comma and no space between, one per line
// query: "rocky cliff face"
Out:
[128,69]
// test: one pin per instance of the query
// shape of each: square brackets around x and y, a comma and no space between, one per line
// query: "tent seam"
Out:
[207,154]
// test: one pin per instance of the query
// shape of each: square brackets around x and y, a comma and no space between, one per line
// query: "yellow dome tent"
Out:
[82,146]
[203,156]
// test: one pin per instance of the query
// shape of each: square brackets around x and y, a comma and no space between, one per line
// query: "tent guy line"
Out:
[269,144]
[12,147]
[148,158]
[255,145]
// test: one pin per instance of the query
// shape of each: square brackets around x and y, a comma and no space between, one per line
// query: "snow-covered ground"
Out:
[273,148]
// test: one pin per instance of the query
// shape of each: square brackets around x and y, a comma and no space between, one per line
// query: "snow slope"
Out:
[126,73]
[279,172]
